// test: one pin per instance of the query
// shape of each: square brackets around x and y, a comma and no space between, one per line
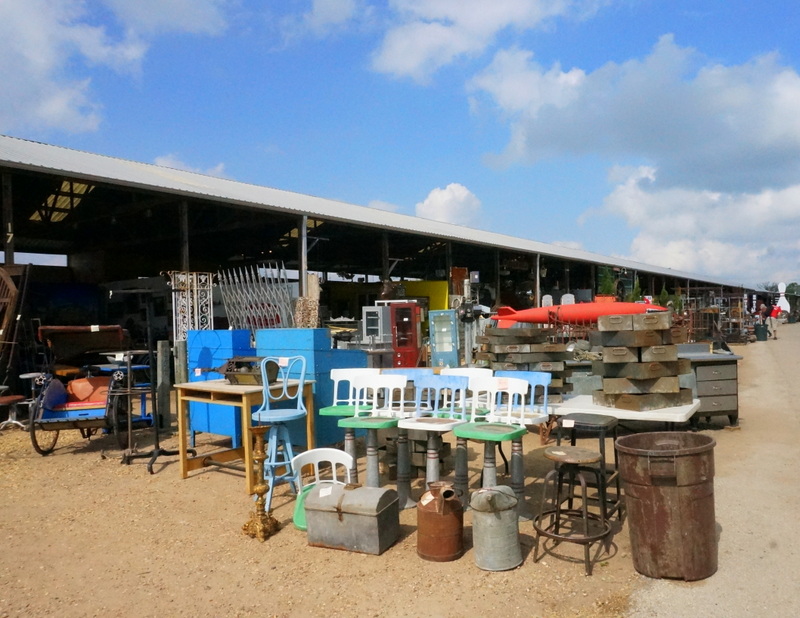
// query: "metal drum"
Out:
[495,529]
[440,523]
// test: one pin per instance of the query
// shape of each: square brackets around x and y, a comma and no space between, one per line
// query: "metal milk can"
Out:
[495,529]
[440,523]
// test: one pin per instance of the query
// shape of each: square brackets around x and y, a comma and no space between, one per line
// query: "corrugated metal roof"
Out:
[36,156]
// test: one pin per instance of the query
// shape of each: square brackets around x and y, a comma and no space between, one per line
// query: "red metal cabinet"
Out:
[406,319]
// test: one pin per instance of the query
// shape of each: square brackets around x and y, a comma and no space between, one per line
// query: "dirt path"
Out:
[83,535]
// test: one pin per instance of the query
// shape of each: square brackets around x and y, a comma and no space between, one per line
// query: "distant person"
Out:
[773,321]
[763,312]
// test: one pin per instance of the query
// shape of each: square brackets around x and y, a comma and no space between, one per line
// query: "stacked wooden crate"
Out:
[526,349]
[640,365]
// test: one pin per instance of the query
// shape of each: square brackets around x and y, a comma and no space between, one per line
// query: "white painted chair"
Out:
[344,405]
[330,466]
[440,402]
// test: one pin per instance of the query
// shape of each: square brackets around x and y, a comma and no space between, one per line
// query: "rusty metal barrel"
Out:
[440,523]
[668,481]
[495,529]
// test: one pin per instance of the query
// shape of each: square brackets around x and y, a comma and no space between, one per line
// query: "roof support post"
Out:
[386,268]
[496,278]
[538,299]
[183,225]
[303,257]
[448,264]
[8,221]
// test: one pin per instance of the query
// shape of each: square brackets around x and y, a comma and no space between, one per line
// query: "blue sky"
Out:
[663,131]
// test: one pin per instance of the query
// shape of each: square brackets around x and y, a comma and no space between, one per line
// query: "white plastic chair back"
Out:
[442,396]
[568,299]
[475,375]
[547,300]
[380,395]
[539,381]
[507,401]
[343,393]
[335,465]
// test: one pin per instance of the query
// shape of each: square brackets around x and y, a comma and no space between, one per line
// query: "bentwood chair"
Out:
[283,402]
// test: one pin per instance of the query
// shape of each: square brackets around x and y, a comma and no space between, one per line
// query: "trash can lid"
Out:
[493,499]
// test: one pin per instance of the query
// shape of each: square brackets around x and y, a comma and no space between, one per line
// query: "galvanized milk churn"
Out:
[440,523]
[495,529]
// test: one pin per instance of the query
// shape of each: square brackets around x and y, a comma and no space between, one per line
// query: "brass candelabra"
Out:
[261,524]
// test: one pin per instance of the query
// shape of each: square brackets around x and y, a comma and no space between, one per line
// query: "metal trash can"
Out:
[761,331]
[668,481]
[495,529]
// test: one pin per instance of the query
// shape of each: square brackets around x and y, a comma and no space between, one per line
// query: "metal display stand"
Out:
[129,454]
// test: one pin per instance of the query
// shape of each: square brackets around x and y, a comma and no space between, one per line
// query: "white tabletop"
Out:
[583,403]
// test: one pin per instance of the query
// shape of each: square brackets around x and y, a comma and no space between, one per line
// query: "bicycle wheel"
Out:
[118,418]
[43,440]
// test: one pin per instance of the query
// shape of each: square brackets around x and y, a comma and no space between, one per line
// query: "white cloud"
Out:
[159,16]
[453,204]
[325,17]
[174,162]
[725,128]
[430,34]
[47,48]
[721,234]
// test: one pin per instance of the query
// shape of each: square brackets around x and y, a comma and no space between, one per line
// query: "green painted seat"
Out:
[379,405]
[344,405]
[343,394]
[511,412]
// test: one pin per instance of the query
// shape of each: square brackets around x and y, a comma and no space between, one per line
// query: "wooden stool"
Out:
[602,426]
[11,401]
[571,524]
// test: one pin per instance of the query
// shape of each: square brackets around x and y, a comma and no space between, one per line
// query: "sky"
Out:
[661,131]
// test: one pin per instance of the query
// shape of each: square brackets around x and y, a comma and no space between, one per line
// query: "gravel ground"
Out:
[757,498]
[83,535]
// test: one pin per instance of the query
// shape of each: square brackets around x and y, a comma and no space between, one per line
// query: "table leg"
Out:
[432,459]
[518,479]
[183,423]
[462,475]
[404,471]
[247,443]
[489,465]
[311,438]
[373,474]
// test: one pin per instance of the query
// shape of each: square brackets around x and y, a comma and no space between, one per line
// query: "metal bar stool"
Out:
[570,524]
[602,426]
[10,402]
